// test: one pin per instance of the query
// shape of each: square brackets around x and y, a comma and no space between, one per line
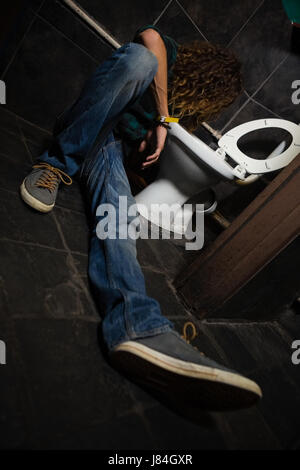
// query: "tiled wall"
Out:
[52,52]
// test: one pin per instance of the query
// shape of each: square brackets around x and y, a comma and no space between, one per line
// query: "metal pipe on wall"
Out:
[87,18]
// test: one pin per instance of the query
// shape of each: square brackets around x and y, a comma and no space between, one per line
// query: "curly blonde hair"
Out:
[206,79]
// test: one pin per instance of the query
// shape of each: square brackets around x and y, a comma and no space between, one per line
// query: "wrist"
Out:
[166,119]
[161,113]
[165,125]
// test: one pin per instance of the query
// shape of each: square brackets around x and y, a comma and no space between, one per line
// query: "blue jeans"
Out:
[85,146]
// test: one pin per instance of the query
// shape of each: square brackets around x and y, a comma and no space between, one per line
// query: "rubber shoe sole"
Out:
[204,387]
[33,202]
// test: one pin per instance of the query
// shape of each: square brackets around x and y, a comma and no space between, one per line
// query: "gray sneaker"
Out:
[168,364]
[39,188]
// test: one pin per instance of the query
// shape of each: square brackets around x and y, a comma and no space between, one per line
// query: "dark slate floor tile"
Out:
[177,25]
[273,371]
[248,430]
[75,229]
[73,388]
[12,173]
[34,135]
[160,255]
[53,71]
[13,423]
[8,121]
[145,255]
[134,14]
[13,147]
[170,257]
[80,265]
[110,435]
[35,5]
[16,157]
[76,30]
[172,431]
[23,224]
[158,287]
[81,262]
[235,353]
[263,43]
[39,282]
[249,111]
[12,124]
[220,21]
[260,352]
[280,405]
[70,197]
[15,36]
[289,321]
[220,122]
[270,348]
[277,93]
[37,148]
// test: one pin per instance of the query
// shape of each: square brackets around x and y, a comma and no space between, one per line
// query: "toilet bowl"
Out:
[188,167]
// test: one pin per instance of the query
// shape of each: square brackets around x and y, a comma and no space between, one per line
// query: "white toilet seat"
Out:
[251,165]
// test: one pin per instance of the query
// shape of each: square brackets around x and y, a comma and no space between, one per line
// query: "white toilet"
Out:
[188,166]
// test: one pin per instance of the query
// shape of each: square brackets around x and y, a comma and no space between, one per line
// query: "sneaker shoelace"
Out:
[194,334]
[51,176]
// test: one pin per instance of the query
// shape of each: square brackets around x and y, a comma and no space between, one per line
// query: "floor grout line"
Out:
[67,209]
[245,24]
[234,115]
[12,159]
[270,75]
[87,318]
[10,191]
[73,266]
[162,13]
[235,322]
[263,106]
[20,118]
[23,39]
[15,133]
[40,245]
[16,193]
[191,19]
[24,140]
[254,93]
[67,38]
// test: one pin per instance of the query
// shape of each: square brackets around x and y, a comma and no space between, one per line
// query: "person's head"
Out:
[206,79]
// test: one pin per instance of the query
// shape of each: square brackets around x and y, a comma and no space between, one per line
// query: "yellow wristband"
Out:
[167,119]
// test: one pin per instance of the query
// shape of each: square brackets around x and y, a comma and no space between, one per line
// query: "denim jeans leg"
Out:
[114,272]
[112,89]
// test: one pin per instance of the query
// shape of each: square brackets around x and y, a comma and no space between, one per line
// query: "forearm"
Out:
[159,86]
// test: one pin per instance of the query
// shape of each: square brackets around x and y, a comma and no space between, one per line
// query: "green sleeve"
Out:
[170,43]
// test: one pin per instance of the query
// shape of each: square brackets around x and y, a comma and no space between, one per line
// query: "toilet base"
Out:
[175,217]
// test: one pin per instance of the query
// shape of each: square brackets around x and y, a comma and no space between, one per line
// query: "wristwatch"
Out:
[167,119]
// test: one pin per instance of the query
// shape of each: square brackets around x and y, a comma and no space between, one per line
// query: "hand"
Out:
[154,139]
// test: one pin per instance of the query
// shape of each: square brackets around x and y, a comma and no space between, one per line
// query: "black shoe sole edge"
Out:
[206,388]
